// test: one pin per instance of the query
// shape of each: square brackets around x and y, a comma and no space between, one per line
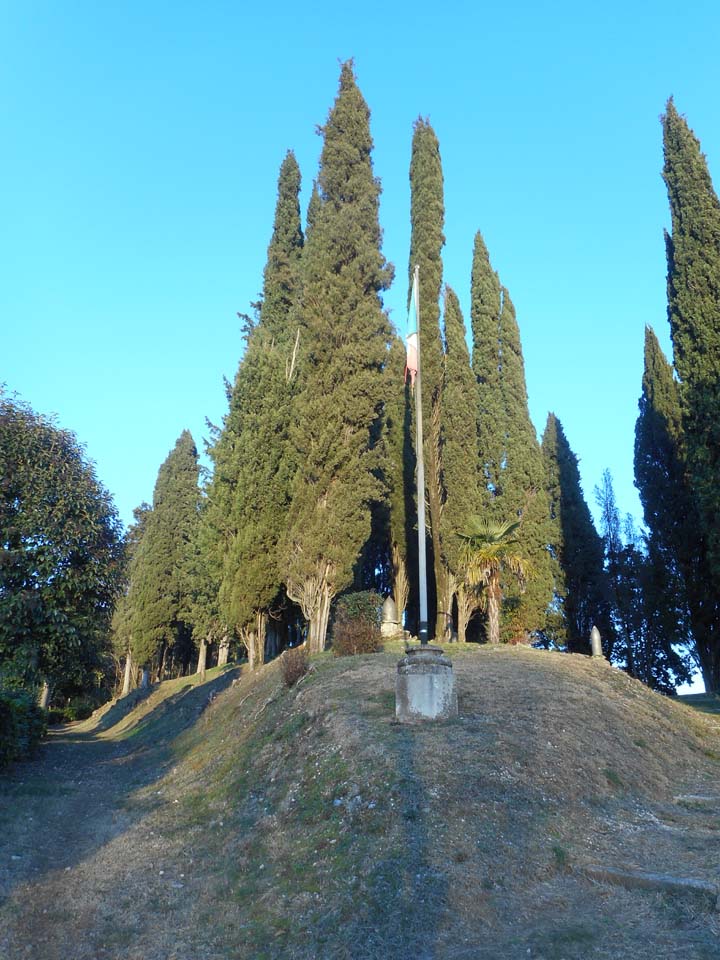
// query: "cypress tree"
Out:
[581,586]
[485,324]
[459,455]
[161,584]
[427,214]
[523,483]
[693,257]
[511,467]
[677,541]
[250,492]
[345,336]
[399,473]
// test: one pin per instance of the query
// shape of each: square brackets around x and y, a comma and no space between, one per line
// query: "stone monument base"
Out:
[425,686]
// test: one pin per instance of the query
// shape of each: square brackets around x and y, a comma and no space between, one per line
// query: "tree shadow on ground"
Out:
[76,795]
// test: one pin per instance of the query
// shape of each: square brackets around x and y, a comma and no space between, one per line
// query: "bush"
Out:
[294,665]
[78,708]
[22,726]
[356,628]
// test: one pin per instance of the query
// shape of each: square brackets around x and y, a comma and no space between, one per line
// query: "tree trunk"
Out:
[446,591]
[494,598]
[127,676]
[223,650]
[401,583]
[202,658]
[467,604]
[317,636]
[44,697]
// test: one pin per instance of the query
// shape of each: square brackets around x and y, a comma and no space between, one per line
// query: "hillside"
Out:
[239,819]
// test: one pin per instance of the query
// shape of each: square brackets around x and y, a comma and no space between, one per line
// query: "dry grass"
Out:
[306,823]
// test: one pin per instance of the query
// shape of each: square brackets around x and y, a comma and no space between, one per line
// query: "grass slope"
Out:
[239,819]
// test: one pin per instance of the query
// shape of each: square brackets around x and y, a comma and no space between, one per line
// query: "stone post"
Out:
[596,643]
[425,686]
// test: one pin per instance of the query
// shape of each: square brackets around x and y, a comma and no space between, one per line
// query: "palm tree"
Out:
[489,551]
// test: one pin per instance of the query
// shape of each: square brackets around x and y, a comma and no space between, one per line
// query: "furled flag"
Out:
[411,362]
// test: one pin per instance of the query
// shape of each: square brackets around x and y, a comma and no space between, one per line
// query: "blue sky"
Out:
[141,145]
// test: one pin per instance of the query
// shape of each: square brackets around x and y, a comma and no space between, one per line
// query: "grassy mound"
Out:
[307,823]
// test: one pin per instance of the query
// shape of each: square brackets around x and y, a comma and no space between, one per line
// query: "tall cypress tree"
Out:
[427,215]
[693,257]
[459,455]
[399,472]
[581,586]
[161,574]
[249,496]
[485,323]
[677,540]
[345,336]
[511,466]
[523,483]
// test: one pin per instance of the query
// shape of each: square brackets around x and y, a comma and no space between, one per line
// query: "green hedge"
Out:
[22,725]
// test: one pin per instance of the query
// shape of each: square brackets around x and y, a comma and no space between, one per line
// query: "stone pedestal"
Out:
[390,623]
[596,643]
[425,686]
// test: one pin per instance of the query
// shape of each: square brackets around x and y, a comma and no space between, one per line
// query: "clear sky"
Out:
[140,148]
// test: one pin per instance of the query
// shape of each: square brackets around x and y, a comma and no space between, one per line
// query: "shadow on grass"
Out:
[82,782]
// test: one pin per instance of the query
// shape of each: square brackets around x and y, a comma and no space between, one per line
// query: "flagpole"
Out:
[422,563]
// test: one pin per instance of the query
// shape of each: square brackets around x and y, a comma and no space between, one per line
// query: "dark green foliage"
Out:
[485,322]
[643,647]
[400,475]
[161,573]
[427,216]
[60,555]
[581,587]
[344,340]
[356,626]
[243,519]
[512,480]
[522,483]
[693,257]
[459,439]
[22,725]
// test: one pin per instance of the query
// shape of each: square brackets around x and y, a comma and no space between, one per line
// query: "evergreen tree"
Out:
[249,495]
[522,485]
[512,481]
[459,456]
[345,336]
[581,586]
[399,473]
[644,649]
[122,618]
[427,214]
[677,540]
[693,257]
[485,322]
[161,584]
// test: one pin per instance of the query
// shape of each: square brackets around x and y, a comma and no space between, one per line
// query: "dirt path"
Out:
[55,812]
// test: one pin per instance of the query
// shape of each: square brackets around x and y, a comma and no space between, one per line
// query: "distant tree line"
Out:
[312,488]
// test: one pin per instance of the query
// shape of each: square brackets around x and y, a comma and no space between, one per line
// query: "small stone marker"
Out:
[390,624]
[425,686]
[596,642]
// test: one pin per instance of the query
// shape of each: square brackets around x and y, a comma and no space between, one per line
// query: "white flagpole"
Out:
[422,571]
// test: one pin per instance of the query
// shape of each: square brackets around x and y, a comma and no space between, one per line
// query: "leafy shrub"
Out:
[356,627]
[22,725]
[294,665]
[79,708]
